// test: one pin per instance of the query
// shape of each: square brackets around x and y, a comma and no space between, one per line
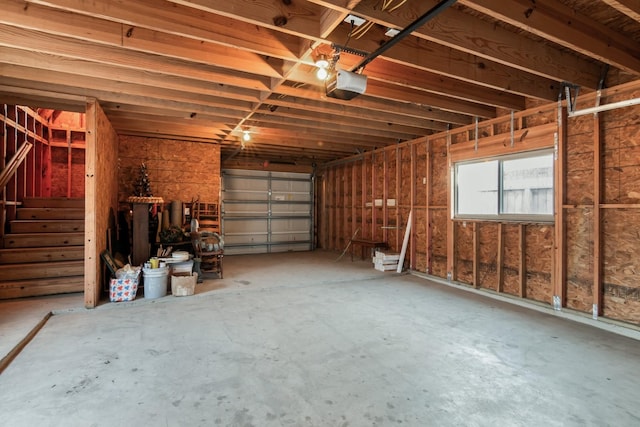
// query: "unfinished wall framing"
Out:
[31,177]
[587,259]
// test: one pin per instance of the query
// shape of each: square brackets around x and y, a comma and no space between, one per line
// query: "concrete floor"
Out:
[300,340]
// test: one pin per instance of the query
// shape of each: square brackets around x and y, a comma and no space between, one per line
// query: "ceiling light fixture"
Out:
[322,62]
[322,73]
[246,136]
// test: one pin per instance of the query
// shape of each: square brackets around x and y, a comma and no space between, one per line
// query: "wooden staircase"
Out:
[44,252]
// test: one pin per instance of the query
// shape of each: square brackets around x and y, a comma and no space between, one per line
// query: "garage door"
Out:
[266,212]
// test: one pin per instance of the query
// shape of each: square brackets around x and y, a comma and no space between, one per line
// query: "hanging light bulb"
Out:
[322,74]
[246,136]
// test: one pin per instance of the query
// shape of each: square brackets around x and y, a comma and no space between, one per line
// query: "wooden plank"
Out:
[39,287]
[12,165]
[41,270]
[50,213]
[598,286]
[43,240]
[385,195]
[534,138]
[46,254]
[47,226]
[53,202]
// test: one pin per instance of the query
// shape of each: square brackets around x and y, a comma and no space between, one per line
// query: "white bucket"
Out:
[182,267]
[156,281]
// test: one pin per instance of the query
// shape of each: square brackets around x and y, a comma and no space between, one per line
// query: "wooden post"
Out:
[598,290]
[363,186]
[560,259]
[91,251]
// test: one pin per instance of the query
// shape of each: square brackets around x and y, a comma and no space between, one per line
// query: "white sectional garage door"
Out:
[266,212]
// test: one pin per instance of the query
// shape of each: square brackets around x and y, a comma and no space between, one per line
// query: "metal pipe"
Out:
[430,14]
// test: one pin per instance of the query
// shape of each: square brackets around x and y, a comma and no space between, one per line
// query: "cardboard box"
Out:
[183,284]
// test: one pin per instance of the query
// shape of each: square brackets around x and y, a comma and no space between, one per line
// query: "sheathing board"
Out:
[520,259]
[178,170]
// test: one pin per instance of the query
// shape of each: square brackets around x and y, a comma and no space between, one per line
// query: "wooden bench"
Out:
[364,243]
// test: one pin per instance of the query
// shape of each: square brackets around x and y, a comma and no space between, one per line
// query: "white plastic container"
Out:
[182,267]
[156,281]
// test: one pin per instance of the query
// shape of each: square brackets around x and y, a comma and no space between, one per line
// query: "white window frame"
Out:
[499,216]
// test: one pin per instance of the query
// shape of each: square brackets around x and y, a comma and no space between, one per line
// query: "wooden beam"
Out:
[459,65]
[176,20]
[60,46]
[567,27]
[464,32]
[631,8]
[373,108]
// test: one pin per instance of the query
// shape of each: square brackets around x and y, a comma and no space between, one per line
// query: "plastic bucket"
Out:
[182,267]
[156,281]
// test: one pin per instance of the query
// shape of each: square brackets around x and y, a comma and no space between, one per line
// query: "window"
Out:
[510,187]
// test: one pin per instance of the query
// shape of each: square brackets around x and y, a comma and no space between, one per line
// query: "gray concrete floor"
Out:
[301,340]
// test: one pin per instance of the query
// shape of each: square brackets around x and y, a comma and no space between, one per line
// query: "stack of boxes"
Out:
[385,262]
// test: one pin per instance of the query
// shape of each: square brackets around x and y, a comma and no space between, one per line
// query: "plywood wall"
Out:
[178,170]
[101,201]
[594,237]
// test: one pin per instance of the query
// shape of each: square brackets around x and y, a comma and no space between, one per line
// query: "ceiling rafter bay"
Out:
[205,70]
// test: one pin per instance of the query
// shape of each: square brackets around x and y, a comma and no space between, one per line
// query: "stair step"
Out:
[38,287]
[41,270]
[47,226]
[50,213]
[53,202]
[38,240]
[31,255]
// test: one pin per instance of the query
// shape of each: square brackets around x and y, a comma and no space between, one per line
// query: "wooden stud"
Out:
[385,196]
[451,229]
[476,253]
[354,210]
[427,204]
[374,216]
[598,290]
[559,259]
[397,196]
[522,267]
[412,203]
[500,258]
